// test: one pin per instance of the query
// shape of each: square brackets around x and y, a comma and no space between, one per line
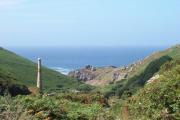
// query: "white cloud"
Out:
[5,3]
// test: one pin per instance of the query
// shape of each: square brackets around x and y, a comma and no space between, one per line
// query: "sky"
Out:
[82,23]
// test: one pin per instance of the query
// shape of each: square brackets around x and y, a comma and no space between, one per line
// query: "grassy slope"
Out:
[146,70]
[16,69]
[157,100]
[173,52]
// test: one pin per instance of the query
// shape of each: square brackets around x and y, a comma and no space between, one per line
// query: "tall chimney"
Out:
[39,80]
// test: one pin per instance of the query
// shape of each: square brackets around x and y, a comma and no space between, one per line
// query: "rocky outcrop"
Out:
[119,76]
[84,74]
[91,68]
[151,80]
[103,75]
[111,74]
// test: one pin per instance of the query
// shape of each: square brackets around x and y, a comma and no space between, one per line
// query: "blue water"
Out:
[67,59]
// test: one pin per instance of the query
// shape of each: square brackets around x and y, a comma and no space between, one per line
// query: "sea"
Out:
[67,59]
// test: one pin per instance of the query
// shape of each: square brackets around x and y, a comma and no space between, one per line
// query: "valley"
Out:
[148,89]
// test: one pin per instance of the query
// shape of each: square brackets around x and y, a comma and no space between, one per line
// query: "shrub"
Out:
[158,100]
[63,106]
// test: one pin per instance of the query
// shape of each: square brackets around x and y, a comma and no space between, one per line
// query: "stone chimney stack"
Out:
[39,80]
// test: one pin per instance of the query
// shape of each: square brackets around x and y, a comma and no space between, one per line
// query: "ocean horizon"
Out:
[65,60]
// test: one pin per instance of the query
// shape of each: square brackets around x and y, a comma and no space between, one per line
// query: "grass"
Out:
[18,70]
[145,71]
[158,100]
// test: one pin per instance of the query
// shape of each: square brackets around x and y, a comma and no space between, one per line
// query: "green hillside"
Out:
[136,98]
[15,69]
[145,71]
[158,100]
[155,100]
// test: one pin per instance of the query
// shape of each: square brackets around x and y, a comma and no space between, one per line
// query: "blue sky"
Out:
[89,23]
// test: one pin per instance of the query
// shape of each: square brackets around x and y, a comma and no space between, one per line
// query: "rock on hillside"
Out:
[152,79]
[103,75]
[106,75]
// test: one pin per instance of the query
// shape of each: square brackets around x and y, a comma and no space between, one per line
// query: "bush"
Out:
[158,100]
[63,106]
[11,110]
[85,88]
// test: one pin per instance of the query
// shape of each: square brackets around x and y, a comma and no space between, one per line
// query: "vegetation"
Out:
[85,88]
[133,84]
[133,98]
[15,69]
[159,99]
[63,106]
[130,85]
